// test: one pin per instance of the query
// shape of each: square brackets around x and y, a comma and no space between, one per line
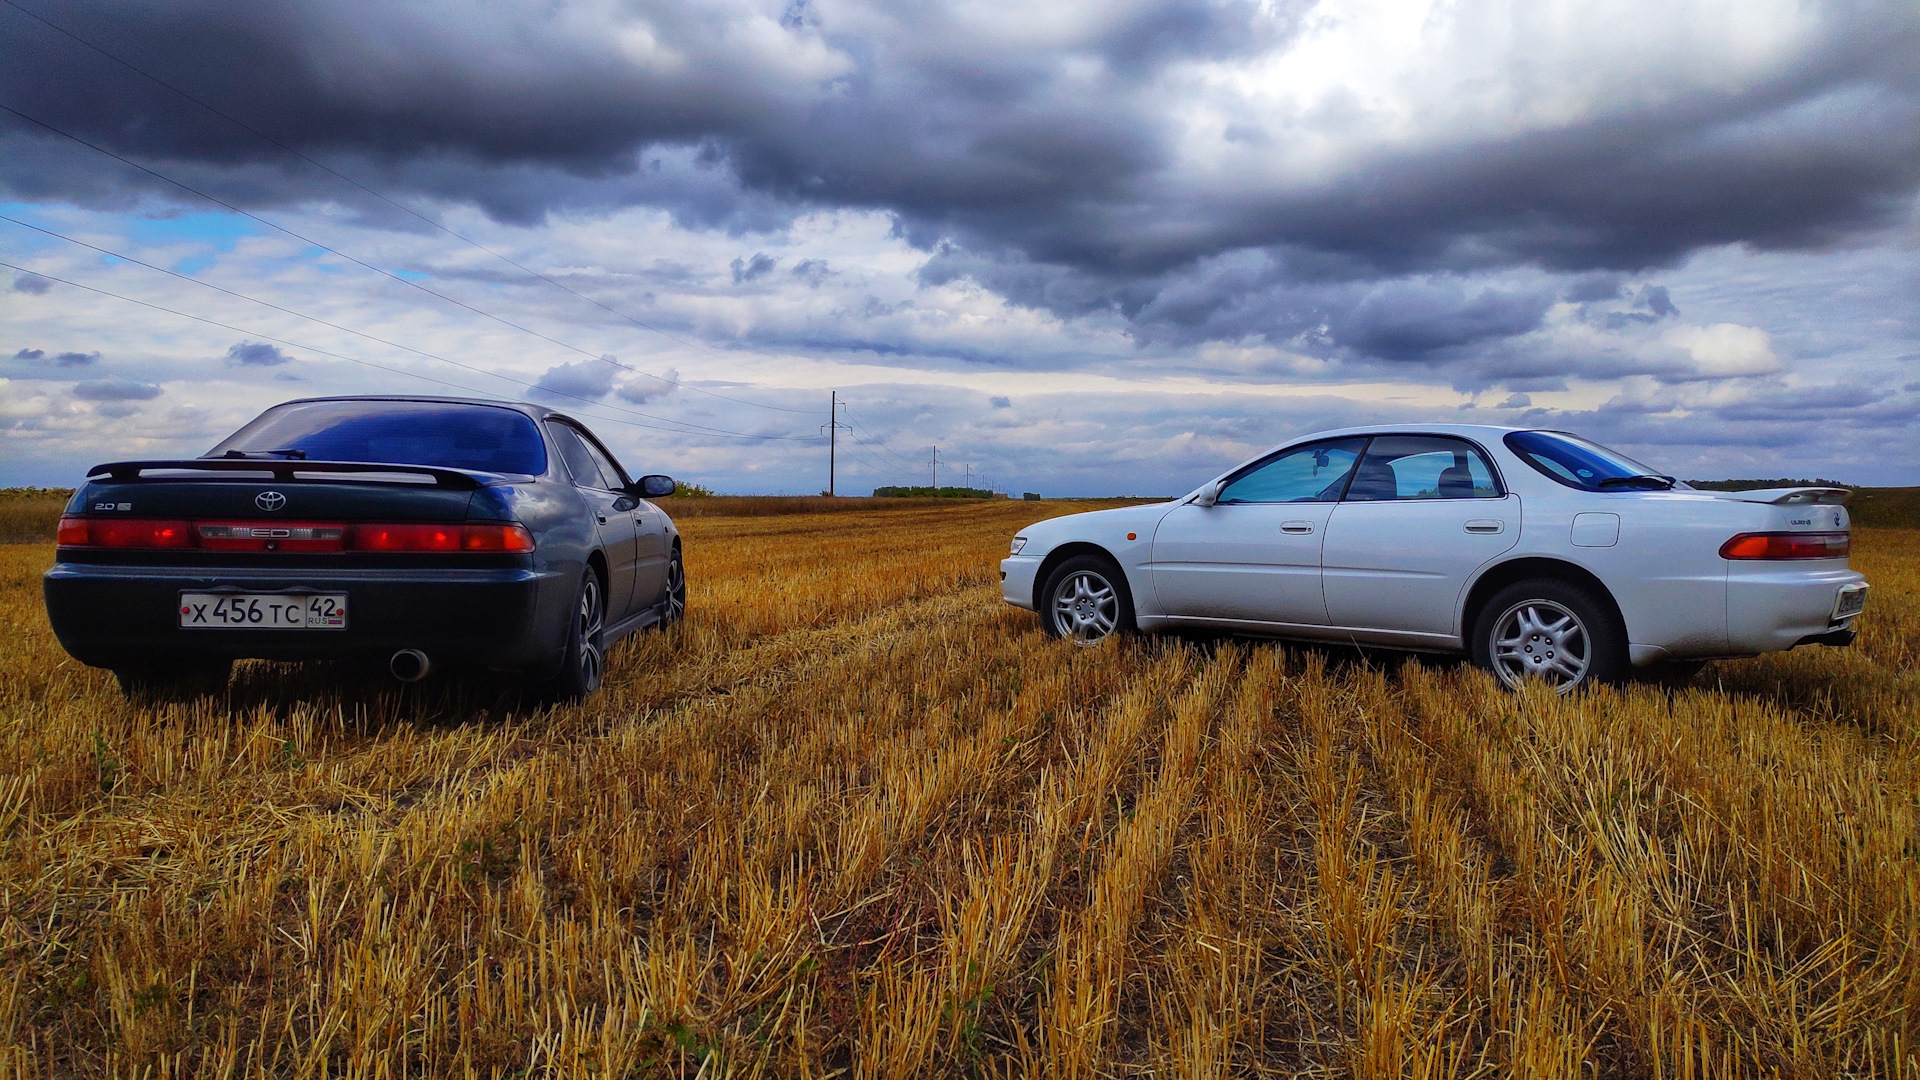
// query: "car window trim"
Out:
[619,470]
[579,433]
[1260,463]
[1493,467]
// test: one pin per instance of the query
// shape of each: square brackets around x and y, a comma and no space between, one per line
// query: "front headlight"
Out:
[1018,543]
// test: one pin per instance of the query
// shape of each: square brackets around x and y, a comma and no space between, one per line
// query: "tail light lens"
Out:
[1824,545]
[500,539]
[489,538]
[510,539]
[123,533]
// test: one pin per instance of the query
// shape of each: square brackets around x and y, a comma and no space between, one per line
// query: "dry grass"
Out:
[30,515]
[858,817]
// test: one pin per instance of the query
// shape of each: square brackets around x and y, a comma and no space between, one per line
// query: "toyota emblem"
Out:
[269,500]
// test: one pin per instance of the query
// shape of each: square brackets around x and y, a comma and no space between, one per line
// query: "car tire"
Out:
[158,679]
[1086,601]
[1553,630]
[583,656]
[676,599]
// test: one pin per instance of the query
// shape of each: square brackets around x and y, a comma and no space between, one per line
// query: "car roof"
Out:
[1481,432]
[427,398]
[536,411]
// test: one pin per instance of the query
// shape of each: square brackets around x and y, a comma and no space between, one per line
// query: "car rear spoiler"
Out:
[1789,496]
[285,470]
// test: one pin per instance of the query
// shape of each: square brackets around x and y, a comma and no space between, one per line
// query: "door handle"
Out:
[1296,528]
[602,517]
[1486,526]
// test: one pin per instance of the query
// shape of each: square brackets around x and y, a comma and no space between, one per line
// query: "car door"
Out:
[612,510]
[652,545]
[1254,555]
[1422,513]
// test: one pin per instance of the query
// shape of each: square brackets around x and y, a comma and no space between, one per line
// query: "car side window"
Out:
[579,459]
[1406,468]
[616,476]
[1316,472]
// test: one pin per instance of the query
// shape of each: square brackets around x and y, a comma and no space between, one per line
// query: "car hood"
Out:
[1097,526]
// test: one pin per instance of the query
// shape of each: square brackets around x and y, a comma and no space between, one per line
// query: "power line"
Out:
[360,262]
[881,443]
[243,125]
[692,428]
[371,364]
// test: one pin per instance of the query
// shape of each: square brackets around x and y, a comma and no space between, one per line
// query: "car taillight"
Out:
[252,536]
[511,539]
[508,539]
[123,533]
[1824,545]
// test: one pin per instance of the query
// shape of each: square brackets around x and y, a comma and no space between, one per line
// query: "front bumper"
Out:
[1016,579]
[110,616]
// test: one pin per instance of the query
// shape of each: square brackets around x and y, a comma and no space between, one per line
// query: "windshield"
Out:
[1577,463]
[448,435]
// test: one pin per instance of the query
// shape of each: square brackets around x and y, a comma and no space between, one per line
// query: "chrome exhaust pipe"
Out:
[409,665]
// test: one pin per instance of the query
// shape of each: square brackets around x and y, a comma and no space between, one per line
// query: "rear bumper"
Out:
[107,616]
[1770,608]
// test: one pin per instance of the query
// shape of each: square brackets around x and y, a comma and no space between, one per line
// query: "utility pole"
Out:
[833,426]
[969,480]
[936,468]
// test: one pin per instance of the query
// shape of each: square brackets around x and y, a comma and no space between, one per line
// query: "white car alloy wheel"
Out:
[1541,639]
[1085,607]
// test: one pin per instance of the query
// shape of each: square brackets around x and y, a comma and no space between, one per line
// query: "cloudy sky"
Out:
[1083,247]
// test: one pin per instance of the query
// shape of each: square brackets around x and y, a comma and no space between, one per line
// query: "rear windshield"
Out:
[444,434]
[1574,461]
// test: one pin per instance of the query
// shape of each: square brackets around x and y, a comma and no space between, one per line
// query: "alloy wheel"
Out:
[1086,609]
[1540,639]
[591,616]
[676,590]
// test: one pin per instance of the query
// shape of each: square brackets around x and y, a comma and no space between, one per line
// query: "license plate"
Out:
[1851,601]
[263,611]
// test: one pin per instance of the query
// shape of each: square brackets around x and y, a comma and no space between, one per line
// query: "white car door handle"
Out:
[1489,526]
[1296,528]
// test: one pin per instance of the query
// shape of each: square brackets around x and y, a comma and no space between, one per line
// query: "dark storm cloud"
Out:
[256,354]
[29,354]
[1049,169]
[31,284]
[640,391]
[745,270]
[116,390]
[75,359]
[592,379]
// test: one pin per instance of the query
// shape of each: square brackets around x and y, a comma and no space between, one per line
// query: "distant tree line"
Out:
[927,492]
[1760,485]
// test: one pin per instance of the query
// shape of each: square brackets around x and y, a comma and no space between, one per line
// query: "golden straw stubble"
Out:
[857,814]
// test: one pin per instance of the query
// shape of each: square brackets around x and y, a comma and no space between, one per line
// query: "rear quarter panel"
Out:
[1663,570]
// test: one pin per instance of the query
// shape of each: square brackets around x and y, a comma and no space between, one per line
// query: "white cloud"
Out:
[1726,349]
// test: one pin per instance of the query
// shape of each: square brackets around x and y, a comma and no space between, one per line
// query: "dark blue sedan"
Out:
[418,531]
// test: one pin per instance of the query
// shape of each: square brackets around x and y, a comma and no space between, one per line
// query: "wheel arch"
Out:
[1067,551]
[1501,575]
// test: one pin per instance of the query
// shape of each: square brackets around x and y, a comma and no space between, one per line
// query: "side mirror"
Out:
[657,487]
[1208,495]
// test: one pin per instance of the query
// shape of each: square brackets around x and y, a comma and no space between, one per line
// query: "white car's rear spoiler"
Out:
[1789,496]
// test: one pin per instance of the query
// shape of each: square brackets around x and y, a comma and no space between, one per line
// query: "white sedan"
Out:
[1538,553]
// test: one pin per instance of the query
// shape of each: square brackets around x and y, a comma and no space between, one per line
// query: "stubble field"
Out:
[858,817]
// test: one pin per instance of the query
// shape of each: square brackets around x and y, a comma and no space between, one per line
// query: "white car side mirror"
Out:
[1208,495]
